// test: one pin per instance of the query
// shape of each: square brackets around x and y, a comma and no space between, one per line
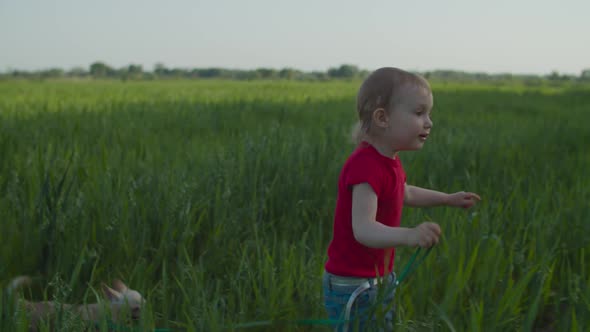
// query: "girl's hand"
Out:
[463,199]
[424,235]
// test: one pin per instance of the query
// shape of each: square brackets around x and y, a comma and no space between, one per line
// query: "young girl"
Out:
[394,110]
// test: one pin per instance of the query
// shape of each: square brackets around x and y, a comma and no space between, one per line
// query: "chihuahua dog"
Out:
[123,304]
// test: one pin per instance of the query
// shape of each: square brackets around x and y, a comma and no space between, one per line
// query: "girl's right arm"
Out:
[373,234]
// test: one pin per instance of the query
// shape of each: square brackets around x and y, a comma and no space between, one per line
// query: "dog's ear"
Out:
[110,293]
[120,286]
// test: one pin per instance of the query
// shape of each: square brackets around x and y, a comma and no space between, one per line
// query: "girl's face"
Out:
[409,123]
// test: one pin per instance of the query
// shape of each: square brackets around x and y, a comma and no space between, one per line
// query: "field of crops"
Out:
[215,200]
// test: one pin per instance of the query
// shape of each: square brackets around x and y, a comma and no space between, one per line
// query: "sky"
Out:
[502,36]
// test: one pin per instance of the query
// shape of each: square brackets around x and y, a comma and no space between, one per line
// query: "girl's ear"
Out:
[110,293]
[381,118]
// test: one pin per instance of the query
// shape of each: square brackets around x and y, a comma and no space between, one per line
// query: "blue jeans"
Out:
[372,310]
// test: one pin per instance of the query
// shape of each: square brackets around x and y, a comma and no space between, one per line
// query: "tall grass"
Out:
[215,200]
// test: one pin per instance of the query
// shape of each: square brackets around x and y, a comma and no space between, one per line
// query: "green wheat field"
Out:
[214,199]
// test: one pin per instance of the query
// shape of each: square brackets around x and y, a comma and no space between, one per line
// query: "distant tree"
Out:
[481,77]
[505,77]
[318,75]
[16,73]
[52,73]
[344,71]
[160,69]
[77,72]
[210,72]
[266,73]
[364,73]
[585,75]
[100,69]
[134,71]
[177,73]
[245,74]
[554,76]
[193,73]
[289,73]
[453,75]
[120,73]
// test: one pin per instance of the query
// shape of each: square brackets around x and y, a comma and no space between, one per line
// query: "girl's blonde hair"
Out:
[381,89]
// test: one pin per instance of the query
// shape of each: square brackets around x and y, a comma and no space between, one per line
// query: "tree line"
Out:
[101,70]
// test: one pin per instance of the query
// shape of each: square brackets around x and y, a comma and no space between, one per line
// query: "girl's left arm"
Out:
[421,197]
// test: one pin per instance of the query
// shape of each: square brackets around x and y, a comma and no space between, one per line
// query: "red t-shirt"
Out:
[346,256]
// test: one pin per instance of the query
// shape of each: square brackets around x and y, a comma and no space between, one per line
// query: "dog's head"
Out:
[124,301]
